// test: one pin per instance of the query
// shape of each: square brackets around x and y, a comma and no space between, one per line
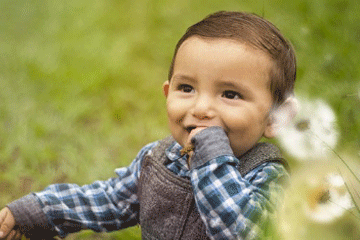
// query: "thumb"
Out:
[7,222]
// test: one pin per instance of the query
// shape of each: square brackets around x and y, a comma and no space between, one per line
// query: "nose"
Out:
[203,108]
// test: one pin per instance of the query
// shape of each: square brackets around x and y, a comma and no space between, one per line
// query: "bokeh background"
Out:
[80,94]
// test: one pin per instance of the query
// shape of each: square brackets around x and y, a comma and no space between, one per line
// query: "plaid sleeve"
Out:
[233,207]
[101,206]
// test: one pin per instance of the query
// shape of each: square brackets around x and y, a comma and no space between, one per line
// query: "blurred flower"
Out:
[317,200]
[330,200]
[312,132]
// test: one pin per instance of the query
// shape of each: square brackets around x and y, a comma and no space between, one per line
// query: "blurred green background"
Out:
[80,86]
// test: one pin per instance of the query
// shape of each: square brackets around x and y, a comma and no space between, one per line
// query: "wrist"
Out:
[29,216]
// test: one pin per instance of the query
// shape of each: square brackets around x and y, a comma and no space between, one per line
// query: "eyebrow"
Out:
[183,77]
[232,84]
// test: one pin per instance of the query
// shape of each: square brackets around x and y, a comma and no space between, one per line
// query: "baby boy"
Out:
[212,178]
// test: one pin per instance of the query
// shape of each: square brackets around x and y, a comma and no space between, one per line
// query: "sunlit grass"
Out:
[80,87]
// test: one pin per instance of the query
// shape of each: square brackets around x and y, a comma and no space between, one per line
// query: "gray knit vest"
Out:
[167,204]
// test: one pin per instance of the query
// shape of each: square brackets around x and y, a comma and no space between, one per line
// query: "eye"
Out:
[231,95]
[185,88]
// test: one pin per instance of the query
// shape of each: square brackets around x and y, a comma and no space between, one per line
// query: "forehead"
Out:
[223,55]
[225,45]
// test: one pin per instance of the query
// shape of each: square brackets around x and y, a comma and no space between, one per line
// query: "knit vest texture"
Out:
[167,204]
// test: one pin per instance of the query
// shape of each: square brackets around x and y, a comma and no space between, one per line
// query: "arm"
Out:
[65,208]
[232,206]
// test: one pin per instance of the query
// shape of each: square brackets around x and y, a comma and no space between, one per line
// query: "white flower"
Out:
[312,132]
[317,198]
[329,201]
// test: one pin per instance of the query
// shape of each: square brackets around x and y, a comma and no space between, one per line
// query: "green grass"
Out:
[80,82]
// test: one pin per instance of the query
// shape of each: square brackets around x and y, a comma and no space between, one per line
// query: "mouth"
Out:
[190,128]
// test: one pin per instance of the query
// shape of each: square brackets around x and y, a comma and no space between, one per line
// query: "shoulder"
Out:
[156,147]
[259,155]
[135,166]
[147,149]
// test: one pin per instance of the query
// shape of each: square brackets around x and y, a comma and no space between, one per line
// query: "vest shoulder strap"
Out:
[158,153]
[261,153]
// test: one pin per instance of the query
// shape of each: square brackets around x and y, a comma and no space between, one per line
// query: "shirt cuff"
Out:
[209,144]
[30,218]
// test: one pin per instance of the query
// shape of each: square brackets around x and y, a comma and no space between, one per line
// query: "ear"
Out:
[166,85]
[281,116]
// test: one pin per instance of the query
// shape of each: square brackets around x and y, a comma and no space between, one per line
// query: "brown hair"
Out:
[258,33]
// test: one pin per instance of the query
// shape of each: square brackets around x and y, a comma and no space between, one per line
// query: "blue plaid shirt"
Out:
[231,206]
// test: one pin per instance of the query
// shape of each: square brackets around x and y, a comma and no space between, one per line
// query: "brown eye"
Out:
[185,88]
[231,95]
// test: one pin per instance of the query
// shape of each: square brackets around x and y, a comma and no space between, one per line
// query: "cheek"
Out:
[175,111]
[244,132]
[236,119]
[245,122]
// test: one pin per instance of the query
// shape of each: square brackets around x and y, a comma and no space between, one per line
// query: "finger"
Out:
[14,235]
[7,222]
[18,235]
[11,235]
[2,215]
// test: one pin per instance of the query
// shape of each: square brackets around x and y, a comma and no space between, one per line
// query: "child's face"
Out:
[220,82]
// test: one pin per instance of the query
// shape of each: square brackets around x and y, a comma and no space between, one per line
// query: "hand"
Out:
[189,148]
[193,133]
[7,224]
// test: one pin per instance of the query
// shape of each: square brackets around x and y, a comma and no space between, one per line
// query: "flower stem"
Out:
[352,196]
[342,160]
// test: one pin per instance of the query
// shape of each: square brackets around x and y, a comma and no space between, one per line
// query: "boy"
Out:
[211,179]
